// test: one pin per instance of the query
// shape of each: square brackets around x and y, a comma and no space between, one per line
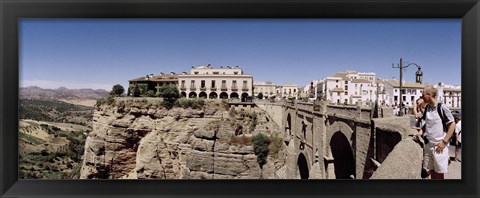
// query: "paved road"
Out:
[455,168]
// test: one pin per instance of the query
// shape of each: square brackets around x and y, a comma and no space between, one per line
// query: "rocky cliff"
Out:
[140,139]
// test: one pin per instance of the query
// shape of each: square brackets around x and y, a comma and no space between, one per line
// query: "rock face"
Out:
[142,140]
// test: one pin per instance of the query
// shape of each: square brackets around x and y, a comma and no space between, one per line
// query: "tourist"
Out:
[418,108]
[436,150]
[458,134]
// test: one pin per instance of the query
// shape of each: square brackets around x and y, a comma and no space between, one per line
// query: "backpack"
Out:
[442,116]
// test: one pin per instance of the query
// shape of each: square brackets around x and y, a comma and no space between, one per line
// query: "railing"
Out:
[213,89]
[234,88]
[203,88]
[183,88]
[224,88]
[245,89]
[193,88]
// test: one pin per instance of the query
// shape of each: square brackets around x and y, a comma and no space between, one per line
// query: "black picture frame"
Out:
[11,11]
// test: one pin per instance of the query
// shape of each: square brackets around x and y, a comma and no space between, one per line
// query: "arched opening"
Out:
[213,95]
[192,95]
[234,95]
[289,124]
[223,95]
[302,166]
[244,96]
[342,156]
[202,95]
[183,94]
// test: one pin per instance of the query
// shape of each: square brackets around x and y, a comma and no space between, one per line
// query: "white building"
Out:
[267,88]
[349,87]
[288,90]
[411,91]
[450,95]
[216,83]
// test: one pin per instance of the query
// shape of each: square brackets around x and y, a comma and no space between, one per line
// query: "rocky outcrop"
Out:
[142,140]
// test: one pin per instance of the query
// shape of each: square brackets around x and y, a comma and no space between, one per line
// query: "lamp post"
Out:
[419,75]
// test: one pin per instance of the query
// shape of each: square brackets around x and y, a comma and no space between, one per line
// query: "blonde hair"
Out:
[430,90]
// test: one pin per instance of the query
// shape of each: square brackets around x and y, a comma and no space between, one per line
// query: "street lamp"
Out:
[418,74]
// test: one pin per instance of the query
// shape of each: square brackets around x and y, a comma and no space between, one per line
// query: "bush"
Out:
[276,145]
[260,96]
[151,93]
[260,148]
[117,90]
[194,103]
[254,121]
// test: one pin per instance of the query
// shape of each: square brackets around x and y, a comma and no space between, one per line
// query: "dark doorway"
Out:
[302,166]
[343,156]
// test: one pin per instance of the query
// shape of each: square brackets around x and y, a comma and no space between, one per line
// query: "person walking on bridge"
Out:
[438,120]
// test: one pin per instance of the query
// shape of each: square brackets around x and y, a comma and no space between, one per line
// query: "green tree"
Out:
[170,94]
[260,148]
[260,96]
[117,90]
[136,91]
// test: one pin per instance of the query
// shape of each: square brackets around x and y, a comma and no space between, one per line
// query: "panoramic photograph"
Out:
[240,99]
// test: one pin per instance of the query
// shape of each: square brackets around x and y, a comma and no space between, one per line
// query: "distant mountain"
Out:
[62,93]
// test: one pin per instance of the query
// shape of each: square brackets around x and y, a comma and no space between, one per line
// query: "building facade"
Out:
[151,83]
[216,83]
[268,89]
[411,91]
[289,91]
[450,95]
[349,87]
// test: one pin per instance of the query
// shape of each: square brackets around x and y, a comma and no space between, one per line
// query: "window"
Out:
[346,87]
[195,72]
[245,83]
[338,93]
[294,90]
[224,83]
[183,83]
[192,84]
[346,93]
[336,81]
[213,84]
[395,98]
[215,72]
[346,82]
[202,84]
[235,72]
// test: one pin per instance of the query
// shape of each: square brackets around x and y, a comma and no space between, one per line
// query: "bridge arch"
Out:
[340,138]
[302,164]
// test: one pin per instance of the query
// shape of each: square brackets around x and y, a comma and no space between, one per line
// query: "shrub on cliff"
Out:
[260,148]
[194,103]
[117,90]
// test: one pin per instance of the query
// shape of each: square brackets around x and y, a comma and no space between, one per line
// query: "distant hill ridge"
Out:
[61,93]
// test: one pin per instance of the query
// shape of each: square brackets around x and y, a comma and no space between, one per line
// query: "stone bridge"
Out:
[343,142]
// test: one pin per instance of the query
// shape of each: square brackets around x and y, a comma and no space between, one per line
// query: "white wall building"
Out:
[450,95]
[289,90]
[267,88]
[216,83]
[349,87]
[411,92]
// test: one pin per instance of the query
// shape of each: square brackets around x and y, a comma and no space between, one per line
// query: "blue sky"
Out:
[98,53]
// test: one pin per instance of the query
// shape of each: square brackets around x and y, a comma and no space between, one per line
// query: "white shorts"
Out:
[433,161]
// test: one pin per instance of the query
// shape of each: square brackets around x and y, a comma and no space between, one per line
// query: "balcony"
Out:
[223,88]
[234,88]
[245,89]
[193,88]
[213,89]
[183,88]
[203,88]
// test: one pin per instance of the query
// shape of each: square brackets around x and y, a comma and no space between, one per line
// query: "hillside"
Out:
[55,111]
[62,93]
